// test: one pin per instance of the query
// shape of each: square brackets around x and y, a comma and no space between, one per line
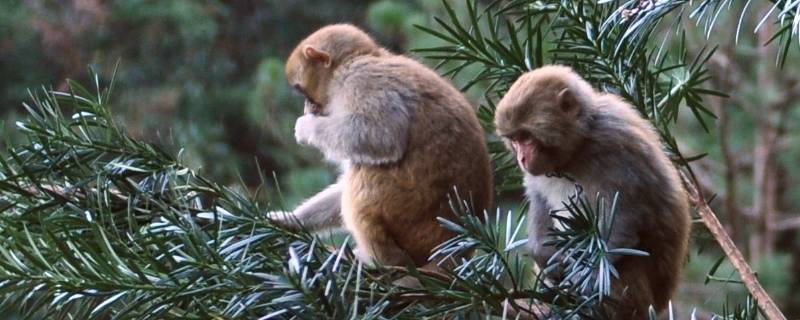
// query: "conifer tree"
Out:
[97,225]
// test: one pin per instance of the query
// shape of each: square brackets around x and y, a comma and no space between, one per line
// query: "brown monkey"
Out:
[555,122]
[405,138]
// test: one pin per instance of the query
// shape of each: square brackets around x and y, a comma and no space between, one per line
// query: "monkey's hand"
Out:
[304,129]
[364,256]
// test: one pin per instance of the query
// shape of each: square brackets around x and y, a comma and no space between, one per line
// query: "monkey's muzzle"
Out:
[309,107]
[525,151]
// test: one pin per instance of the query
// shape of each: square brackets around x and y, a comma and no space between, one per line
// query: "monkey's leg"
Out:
[386,251]
[322,211]
[631,293]
[376,244]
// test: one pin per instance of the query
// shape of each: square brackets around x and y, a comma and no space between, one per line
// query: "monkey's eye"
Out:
[297,90]
[520,136]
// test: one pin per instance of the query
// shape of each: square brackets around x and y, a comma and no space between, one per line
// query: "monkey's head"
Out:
[541,118]
[311,65]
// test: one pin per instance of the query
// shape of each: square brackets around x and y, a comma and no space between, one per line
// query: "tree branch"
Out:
[711,222]
[787,224]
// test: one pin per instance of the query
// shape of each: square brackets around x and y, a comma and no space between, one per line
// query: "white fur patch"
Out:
[555,191]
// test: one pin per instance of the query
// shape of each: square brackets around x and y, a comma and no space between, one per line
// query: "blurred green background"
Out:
[207,77]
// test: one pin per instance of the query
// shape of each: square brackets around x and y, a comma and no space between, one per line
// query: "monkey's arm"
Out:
[540,225]
[322,211]
[374,130]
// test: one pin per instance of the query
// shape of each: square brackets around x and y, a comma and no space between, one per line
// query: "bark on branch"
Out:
[763,300]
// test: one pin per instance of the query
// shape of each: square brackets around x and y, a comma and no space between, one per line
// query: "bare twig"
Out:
[788,224]
[763,300]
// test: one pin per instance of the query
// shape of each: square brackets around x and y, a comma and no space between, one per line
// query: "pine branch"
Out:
[785,14]
[99,225]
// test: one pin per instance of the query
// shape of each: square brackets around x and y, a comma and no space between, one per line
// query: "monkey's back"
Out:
[446,151]
[626,148]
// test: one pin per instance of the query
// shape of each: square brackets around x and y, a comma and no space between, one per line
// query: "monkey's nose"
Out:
[519,152]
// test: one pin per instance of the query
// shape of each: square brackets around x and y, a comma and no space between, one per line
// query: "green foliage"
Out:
[388,17]
[193,73]
[13,83]
[98,224]
[583,250]
[782,13]
[393,23]
[715,275]
[104,225]
[772,274]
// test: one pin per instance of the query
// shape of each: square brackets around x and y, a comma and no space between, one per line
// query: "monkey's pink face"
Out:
[525,151]
[310,81]
[310,106]
[532,156]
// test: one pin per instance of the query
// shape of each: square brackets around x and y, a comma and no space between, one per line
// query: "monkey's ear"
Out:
[315,54]
[567,102]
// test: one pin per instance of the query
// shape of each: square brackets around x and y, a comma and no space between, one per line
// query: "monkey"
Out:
[564,133]
[405,140]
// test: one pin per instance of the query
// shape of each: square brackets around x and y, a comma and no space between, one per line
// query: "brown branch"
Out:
[721,67]
[711,222]
[787,224]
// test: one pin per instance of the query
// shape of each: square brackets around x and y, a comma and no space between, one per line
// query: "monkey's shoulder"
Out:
[616,117]
[381,67]
[389,72]
[382,78]
[404,82]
